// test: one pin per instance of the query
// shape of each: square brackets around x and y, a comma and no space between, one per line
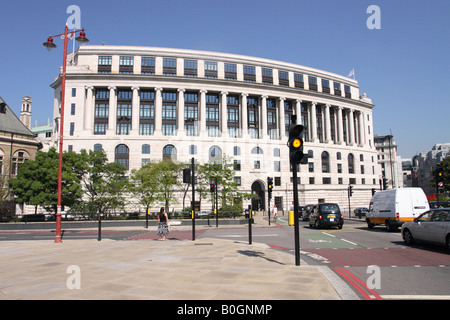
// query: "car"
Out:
[442,204]
[326,215]
[302,213]
[204,213]
[432,226]
[359,212]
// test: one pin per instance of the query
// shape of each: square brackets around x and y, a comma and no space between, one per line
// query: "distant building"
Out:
[390,163]
[17,143]
[425,162]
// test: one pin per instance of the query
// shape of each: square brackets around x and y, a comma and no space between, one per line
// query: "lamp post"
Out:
[50,46]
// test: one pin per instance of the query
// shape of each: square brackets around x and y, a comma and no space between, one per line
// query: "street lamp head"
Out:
[49,44]
[82,37]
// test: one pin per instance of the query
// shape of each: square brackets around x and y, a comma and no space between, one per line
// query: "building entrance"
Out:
[259,198]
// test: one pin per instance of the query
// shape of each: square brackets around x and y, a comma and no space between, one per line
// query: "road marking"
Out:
[350,242]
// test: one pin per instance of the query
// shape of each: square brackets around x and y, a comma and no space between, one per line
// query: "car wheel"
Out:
[448,242]
[340,226]
[408,238]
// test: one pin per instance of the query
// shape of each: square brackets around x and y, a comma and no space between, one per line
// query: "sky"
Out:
[403,65]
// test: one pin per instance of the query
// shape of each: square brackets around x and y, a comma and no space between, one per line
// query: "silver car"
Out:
[431,226]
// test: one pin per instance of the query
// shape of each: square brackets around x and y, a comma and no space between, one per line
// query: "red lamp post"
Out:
[50,46]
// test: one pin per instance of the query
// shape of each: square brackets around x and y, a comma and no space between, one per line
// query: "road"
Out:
[374,264]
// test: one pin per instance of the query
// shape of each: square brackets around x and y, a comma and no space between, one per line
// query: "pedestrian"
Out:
[163,224]
[275,213]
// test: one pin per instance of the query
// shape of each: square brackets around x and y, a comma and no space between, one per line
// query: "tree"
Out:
[168,177]
[144,185]
[222,170]
[104,182]
[37,180]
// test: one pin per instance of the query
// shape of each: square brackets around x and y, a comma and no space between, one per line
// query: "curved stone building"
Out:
[145,103]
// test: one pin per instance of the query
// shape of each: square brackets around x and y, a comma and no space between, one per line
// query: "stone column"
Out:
[224,115]
[135,112]
[112,119]
[327,124]
[263,126]
[88,118]
[180,113]
[244,116]
[313,121]
[158,111]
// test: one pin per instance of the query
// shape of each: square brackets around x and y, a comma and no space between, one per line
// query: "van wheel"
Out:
[408,238]
[390,227]
[369,224]
[448,242]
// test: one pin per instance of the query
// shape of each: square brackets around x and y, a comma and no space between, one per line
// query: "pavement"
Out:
[143,268]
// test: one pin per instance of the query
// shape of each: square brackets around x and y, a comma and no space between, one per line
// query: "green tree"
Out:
[223,170]
[144,185]
[104,183]
[168,177]
[37,180]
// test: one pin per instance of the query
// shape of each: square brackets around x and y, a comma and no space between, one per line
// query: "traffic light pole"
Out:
[296,226]
[216,209]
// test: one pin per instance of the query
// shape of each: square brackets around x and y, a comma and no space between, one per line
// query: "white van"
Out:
[395,207]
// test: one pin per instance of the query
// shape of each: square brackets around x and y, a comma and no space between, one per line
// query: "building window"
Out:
[215,153]
[310,166]
[236,151]
[122,155]
[72,128]
[190,68]
[325,162]
[210,69]
[192,149]
[312,83]
[337,88]
[249,73]
[257,150]
[267,76]
[230,71]
[74,92]
[72,109]
[147,113]
[326,180]
[257,164]
[170,152]
[101,111]
[298,81]
[126,64]
[351,168]
[124,111]
[170,66]
[283,78]
[277,166]
[347,91]
[98,147]
[145,149]
[339,168]
[104,64]
[237,165]
[148,65]
[169,113]
[325,85]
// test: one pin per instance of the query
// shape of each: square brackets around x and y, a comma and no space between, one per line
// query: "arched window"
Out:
[351,166]
[122,155]
[257,150]
[325,162]
[215,153]
[170,152]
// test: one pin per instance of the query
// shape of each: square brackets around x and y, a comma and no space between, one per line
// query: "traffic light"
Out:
[440,177]
[187,175]
[295,144]
[269,186]
[350,191]
[212,187]
[385,183]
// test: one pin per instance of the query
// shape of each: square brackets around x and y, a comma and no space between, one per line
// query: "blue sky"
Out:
[403,67]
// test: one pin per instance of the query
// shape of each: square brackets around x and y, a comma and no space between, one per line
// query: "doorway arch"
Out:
[259,196]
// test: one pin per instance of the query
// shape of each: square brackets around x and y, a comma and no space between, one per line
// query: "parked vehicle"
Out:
[326,215]
[302,213]
[442,204]
[359,212]
[394,207]
[431,226]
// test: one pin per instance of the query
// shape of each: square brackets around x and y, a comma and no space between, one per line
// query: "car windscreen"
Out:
[329,208]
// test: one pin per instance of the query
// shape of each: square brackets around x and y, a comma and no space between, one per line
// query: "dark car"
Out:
[359,212]
[326,215]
